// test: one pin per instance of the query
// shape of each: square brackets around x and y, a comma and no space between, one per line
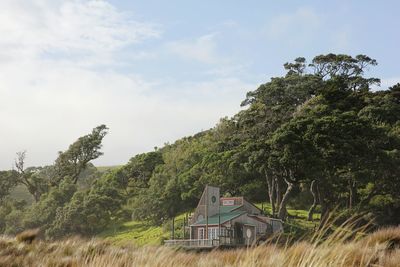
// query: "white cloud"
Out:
[301,23]
[62,103]
[202,49]
[53,91]
[75,28]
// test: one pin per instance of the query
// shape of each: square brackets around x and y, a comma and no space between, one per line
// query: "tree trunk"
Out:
[352,194]
[33,191]
[325,210]
[279,190]
[313,190]
[36,197]
[282,207]
[271,191]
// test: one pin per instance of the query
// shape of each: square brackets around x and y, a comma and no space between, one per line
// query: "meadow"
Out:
[342,247]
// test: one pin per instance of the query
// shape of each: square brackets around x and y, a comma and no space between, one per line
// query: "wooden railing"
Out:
[193,243]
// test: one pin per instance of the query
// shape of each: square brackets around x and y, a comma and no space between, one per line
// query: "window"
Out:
[200,233]
[213,232]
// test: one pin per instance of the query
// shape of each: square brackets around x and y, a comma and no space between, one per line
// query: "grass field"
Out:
[141,233]
[341,248]
[137,232]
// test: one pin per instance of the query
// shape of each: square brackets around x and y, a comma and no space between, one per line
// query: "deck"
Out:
[201,243]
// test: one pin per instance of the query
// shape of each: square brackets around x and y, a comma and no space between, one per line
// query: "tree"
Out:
[42,213]
[272,105]
[89,211]
[139,170]
[74,160]
[8,180]
[292,157]
[29,177]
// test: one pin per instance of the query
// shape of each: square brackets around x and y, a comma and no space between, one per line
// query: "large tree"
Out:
[8,180]
[74,160]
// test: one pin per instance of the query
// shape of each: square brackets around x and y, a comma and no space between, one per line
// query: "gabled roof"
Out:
[222,218]
[226,209]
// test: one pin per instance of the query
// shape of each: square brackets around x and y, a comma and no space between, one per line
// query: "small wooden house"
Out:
[227,221]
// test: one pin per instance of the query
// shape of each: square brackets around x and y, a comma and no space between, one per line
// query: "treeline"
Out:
[318,137]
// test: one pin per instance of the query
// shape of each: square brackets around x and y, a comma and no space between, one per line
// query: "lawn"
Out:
[137,232]
[142,233]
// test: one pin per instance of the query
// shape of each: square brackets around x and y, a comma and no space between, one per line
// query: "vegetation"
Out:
[343,247]
[138,232]
[316,139]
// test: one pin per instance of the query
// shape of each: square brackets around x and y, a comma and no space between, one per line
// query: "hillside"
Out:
[313,143]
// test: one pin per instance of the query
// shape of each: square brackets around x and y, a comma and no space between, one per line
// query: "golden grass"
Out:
[28,236]
[340,248]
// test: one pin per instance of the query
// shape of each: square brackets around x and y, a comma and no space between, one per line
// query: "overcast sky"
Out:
[155,71]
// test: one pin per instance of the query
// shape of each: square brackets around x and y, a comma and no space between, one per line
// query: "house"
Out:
[227,221]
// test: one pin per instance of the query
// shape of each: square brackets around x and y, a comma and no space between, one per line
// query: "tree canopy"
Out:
[318,130]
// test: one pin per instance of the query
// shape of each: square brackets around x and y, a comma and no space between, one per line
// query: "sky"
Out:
[156,71]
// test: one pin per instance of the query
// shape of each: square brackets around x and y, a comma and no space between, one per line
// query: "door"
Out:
[200,233]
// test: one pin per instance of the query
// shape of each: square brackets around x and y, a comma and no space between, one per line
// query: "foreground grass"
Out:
[381,248]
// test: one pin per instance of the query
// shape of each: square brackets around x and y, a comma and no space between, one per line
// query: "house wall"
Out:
[195,231]
[276,224]
[250,208]
[249,235]
[209,194]
[261,227]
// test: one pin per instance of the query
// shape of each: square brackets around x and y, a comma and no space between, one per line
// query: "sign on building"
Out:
[228,202]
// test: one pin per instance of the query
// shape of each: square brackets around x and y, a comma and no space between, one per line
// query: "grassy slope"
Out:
[381,248]
[141,233]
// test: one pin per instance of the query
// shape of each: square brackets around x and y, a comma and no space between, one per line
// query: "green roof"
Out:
[226,209]
[222,217]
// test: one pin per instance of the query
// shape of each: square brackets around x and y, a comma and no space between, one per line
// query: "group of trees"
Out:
[319,131]
[319,137]
[67,194]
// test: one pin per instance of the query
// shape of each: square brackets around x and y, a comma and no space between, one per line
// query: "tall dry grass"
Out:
[341,247]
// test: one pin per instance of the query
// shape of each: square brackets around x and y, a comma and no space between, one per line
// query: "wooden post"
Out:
[173,228]
[187,222]
[184,228]
[206,235]
[219,224]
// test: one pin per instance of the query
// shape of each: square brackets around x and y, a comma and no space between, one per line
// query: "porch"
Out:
[202,243]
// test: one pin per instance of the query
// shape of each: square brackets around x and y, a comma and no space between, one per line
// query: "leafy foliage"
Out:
[317,137]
